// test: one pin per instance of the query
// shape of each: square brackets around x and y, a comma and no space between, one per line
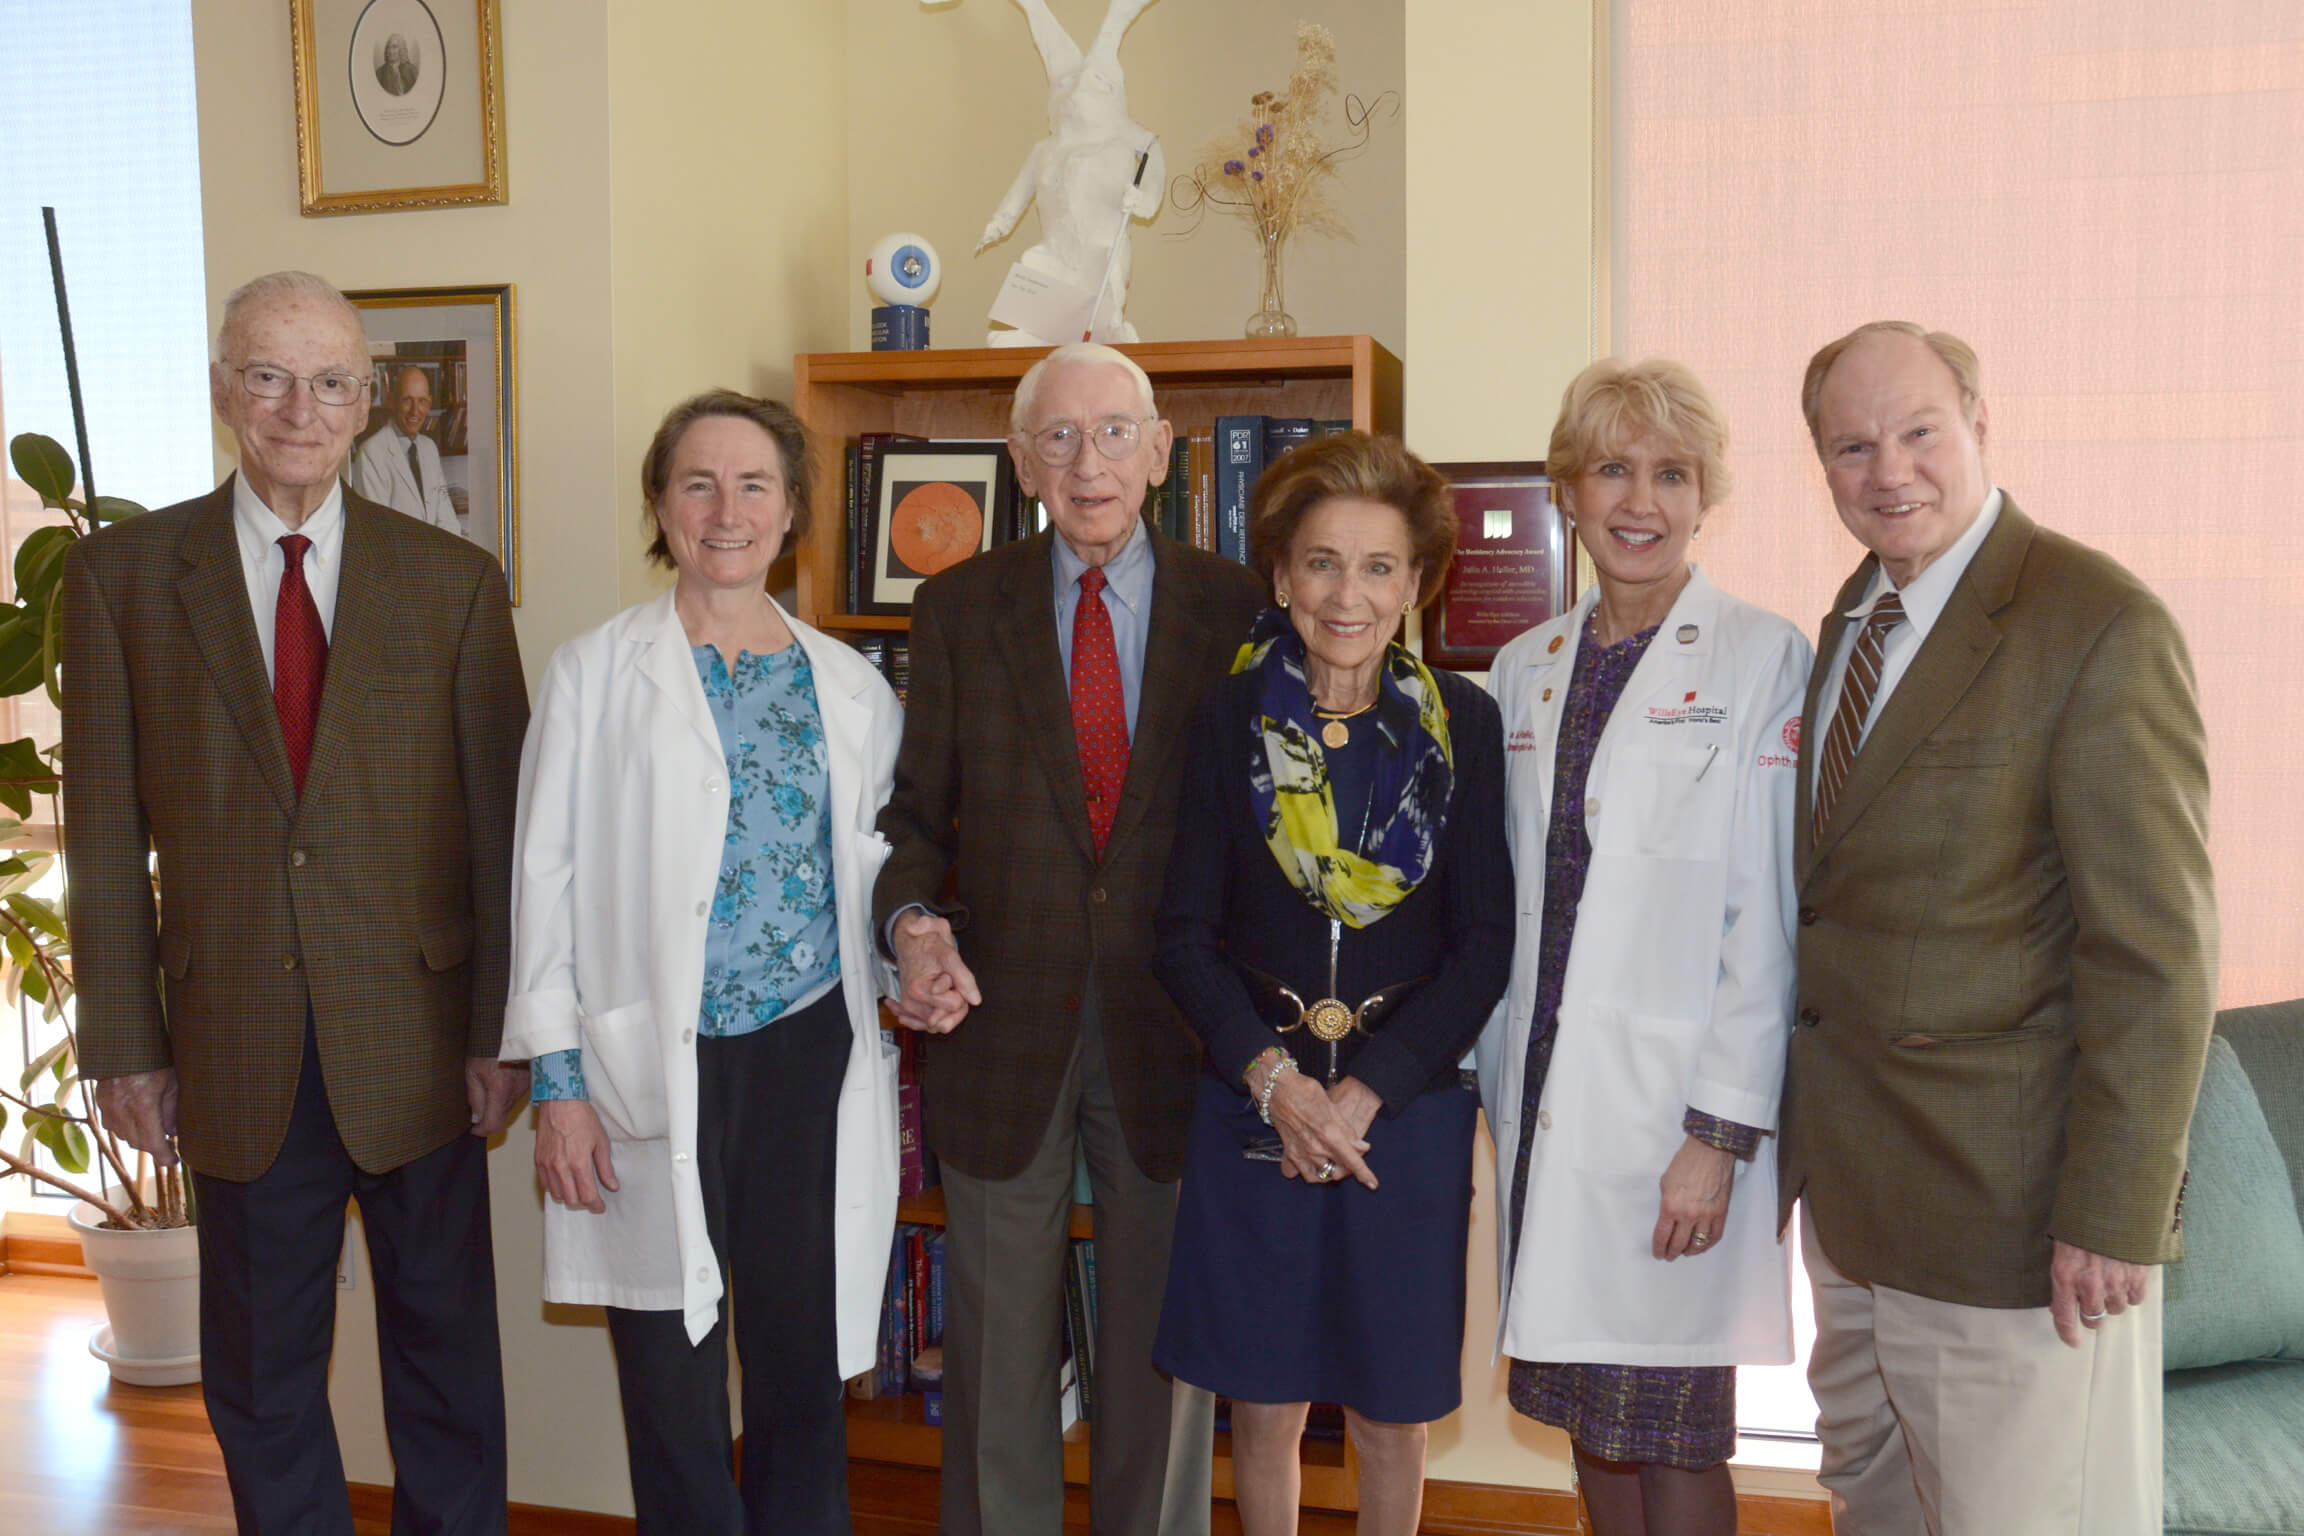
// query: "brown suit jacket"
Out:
[989,797]
[380,896]
[2007,943]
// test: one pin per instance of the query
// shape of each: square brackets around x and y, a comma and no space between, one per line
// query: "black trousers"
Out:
[767,1107]
[268,1251]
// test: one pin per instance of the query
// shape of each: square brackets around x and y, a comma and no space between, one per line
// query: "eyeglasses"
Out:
[267,382]
[1115,437]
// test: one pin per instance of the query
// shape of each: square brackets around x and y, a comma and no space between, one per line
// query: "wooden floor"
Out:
[81,1455]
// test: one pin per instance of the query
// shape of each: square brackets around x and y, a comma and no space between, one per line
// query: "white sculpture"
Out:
[1095,173]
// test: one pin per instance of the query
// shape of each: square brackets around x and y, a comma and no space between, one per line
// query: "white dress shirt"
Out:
[263,562]
[1924,602]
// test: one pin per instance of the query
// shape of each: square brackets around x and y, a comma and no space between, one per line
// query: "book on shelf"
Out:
[1201,467]
[1239,462]
[1282,433]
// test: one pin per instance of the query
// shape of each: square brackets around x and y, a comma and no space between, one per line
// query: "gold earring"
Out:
[1408,606]
[1283,599]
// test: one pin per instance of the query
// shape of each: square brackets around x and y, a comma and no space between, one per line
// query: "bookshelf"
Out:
[966,393]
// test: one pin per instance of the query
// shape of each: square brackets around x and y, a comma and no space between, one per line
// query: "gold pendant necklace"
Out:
[1334,732]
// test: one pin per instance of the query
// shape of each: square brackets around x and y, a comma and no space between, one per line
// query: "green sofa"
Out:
[2235,1307]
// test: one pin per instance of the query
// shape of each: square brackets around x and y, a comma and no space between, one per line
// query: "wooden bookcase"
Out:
[966,393]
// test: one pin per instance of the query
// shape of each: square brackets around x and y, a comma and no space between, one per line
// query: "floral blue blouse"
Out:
[771,944]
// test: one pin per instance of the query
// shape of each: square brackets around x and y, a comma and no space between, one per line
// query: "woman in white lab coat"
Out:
[1633,1069]
[694,974]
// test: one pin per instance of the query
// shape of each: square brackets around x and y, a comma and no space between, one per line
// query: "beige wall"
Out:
[945,102]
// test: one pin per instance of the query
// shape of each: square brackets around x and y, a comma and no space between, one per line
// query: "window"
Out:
[97,119]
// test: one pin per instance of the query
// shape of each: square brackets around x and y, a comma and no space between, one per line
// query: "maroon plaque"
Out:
[1513,565]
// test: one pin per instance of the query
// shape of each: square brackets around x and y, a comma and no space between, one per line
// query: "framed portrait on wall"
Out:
[441,442]
[1514,564]
[399,104]
[936,504]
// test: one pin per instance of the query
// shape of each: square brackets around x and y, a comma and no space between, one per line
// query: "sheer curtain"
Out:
[2106,198]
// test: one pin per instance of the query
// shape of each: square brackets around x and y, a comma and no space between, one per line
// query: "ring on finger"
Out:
[1326,1170]
[2094,1317]
[1700,1240]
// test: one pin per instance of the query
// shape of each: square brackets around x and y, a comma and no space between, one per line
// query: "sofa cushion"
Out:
[2234,1452]
[2269,1040]
[2239,1293]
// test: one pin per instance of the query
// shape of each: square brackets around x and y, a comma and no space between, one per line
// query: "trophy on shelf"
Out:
[903,271]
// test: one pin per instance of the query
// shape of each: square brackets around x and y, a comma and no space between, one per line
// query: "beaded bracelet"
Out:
[1281,1062]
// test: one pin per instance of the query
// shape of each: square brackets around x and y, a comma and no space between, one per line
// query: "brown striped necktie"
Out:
[1856,691]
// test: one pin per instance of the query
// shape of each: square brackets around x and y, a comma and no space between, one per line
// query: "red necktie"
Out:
[1099,714]
[299,658]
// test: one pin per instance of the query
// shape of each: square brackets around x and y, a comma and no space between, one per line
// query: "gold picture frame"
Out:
[463,341]
[399,104]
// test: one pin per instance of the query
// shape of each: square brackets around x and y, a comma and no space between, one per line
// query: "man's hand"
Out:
[493,1090]
[572,1158]
[2085,1288]
[141,1110]
[937,988]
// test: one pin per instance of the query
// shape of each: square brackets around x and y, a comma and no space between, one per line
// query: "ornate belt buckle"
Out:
[1330,1019]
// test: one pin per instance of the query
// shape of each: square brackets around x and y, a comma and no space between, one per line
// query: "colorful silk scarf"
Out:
[1288,779]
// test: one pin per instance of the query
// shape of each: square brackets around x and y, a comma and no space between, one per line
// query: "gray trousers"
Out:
[1150,1443]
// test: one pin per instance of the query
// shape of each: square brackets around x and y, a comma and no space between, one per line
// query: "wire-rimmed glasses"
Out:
[1115,437]
[269,381]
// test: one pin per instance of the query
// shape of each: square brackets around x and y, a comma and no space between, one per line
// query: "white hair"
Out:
[278,285]
[1078,352]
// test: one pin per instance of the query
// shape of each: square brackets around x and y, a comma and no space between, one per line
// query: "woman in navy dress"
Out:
[1337,924]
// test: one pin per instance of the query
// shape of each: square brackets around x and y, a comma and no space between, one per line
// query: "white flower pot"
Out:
[151,1282]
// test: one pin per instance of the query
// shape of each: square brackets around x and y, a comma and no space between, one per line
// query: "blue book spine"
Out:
[1282,433]
[936,1288]
[1239,461]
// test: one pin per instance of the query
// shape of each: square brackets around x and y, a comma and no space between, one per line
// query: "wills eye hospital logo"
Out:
[1792,734]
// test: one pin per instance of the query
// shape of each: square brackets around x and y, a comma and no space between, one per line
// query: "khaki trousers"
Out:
[1151,1442]
[1945,1420]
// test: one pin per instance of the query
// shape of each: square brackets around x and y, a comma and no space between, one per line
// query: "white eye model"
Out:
[903,269]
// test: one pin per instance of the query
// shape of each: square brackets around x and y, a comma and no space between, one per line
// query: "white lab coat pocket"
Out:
[1668,801]
[1632,1079]
[624,1072]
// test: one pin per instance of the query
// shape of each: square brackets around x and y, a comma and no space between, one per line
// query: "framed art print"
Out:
[444,359]
[1514,567]
[936,504]
[399,104]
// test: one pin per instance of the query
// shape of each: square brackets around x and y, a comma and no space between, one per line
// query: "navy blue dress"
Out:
[1280,1290]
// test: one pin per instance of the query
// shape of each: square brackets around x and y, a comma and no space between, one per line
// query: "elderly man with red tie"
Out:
[1035,797]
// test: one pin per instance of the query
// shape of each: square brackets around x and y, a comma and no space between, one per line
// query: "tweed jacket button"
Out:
[1807,917]
[1097,895]
[1811,1017]
[287,962]
[296,857]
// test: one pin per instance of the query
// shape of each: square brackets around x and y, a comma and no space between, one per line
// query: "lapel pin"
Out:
[1555,645]
[1685,634]
[1547,695]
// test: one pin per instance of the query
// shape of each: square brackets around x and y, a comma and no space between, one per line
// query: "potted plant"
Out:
[134,1228]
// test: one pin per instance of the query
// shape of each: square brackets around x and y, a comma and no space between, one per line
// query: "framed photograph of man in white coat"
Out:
[441,442]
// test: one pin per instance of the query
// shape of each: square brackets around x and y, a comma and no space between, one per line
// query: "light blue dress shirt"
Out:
[1127,598]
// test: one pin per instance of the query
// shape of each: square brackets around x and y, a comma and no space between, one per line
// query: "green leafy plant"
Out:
[57,1109]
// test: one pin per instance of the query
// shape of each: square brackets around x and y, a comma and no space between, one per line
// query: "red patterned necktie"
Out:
[299,658]
[1856,690]
[1099,714]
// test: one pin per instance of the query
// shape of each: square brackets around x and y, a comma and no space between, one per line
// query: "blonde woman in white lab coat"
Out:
[695,977]
[1631,1074]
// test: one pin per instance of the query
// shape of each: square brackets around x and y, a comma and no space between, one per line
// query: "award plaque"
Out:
[1513,567]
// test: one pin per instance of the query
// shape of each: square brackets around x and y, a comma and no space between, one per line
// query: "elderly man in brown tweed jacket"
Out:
[1052,682]
[2007,957]
[310,707]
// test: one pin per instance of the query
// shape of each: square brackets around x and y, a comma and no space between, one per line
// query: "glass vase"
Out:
[1273,318]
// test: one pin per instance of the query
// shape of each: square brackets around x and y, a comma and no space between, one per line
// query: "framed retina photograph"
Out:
[937,504]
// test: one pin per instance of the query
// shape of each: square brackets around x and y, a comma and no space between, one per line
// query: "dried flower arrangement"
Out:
[1272,170]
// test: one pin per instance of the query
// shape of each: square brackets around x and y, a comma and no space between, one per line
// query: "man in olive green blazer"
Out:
[2006,980]
[313,1015]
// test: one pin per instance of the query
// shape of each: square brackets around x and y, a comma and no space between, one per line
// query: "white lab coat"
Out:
[1678,990]
[623,807]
